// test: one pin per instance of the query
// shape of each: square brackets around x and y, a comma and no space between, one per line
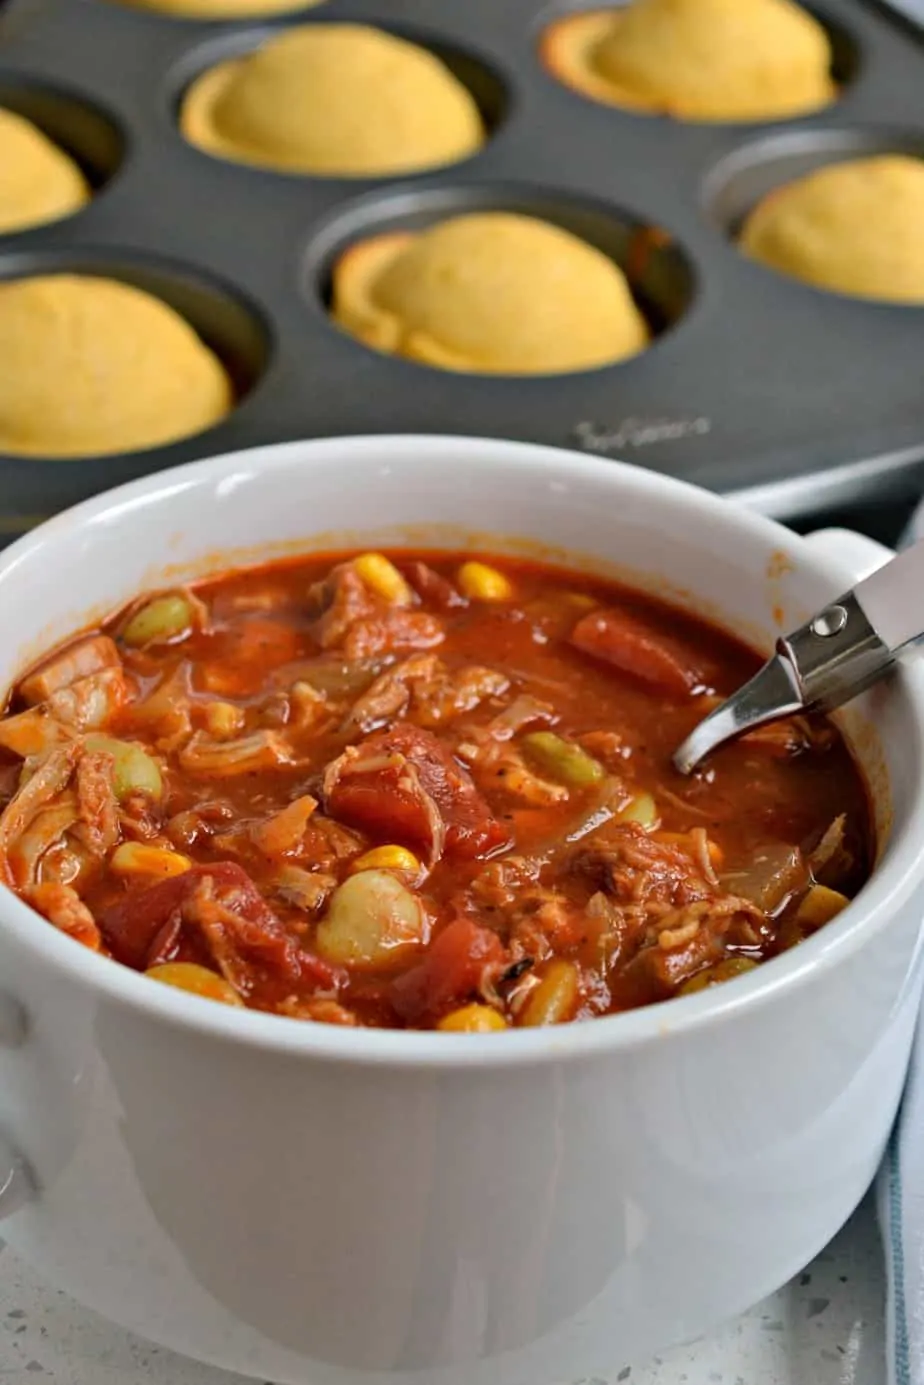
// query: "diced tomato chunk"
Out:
[147,924]
[389,804]
[471,829]
[622,640]
[450,973]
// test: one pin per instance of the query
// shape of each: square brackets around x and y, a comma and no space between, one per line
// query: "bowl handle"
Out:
[17,1181]
[857,555]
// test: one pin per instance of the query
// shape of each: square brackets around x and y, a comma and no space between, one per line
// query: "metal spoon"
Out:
[834,657]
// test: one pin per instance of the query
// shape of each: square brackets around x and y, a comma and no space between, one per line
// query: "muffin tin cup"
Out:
[755,384]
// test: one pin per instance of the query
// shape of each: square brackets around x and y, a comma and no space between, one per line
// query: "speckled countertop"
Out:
[825,1328]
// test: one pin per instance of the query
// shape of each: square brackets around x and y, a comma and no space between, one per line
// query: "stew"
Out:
[420,790]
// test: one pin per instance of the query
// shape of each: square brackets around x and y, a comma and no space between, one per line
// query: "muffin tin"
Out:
[755,384]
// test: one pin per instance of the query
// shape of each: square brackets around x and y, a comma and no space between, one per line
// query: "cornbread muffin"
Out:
[707,60]
[90,366]
[854,228]
[341,100]
[220,9]
[38,181]
[490,292]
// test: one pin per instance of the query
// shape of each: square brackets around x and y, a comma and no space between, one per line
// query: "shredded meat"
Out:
[389,695]
[533,919]
[627,864]
[304,889]
[609,747]
[503,769]
[326,843]
[165,713]
[691,938]
[523,711]
[308,708]
[703,859]
[500,884]
[353,619]
[338,603]
[431,587]
[392,633]
[50,778]
[44,850]
[139,819]
[63,907]
[226,759]
[33,733]
[193,825]
[237,940]
[830,860]
[283,832]
[80,660]
[499,765]
[424,685]
[90,702]
[98,826]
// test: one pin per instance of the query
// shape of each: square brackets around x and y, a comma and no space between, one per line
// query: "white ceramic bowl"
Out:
[323,1206]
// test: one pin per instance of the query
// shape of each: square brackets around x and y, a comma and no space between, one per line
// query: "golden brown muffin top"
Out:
[340,100]
[855,228]
[491,291]
[702,60]
[38,181]
[94,366]
[220,9]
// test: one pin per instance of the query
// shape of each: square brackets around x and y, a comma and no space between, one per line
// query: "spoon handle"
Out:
[839,653]
[892,598]
[850,644]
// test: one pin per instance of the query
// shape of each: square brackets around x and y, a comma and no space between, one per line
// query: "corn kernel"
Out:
[555,998]
[189,976]
[388,858]
[482,583]
[642,809]
[223,720]
[472,1019]
[137,858]
[820,906]
[725,970]
[379,573]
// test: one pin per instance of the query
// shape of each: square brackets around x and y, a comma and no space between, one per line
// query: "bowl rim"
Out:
[884,895]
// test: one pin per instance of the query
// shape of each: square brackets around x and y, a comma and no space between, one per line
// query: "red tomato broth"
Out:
[638,914]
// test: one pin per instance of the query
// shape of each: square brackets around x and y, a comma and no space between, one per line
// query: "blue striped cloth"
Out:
[900,1184]
[900,1198]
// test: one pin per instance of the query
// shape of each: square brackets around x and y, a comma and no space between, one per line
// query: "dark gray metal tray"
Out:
[760,386]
